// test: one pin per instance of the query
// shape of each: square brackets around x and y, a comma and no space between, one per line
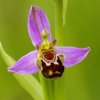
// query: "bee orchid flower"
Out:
[48,58]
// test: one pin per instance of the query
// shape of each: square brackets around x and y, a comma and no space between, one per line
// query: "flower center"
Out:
[48,61]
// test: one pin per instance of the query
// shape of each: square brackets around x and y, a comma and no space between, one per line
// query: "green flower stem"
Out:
[60,84]
[59,21]
[47,86]
[51,89]
[44,86]
[65,6]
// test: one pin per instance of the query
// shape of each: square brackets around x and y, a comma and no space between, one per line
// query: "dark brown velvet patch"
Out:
[54,70]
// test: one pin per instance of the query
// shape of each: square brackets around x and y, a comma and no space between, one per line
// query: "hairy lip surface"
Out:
[53,70]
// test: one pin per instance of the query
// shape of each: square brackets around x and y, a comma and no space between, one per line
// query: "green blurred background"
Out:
[82,29]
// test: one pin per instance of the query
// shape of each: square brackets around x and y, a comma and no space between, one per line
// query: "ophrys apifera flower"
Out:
[47,58]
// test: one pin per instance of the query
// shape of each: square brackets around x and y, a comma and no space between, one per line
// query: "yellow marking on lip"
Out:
[57,72]
[50,72]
